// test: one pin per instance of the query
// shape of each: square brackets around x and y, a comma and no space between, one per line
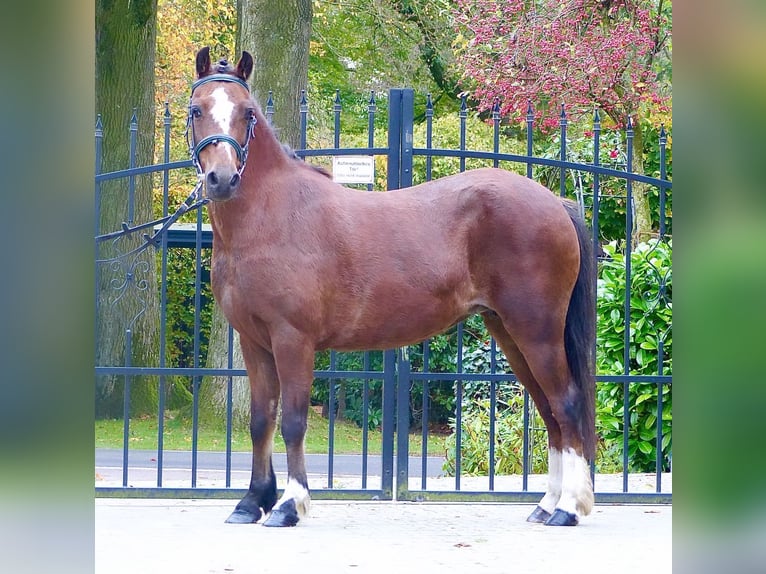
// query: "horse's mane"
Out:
[290,152]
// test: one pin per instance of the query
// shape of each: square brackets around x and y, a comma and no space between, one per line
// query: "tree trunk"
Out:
[214,390]
[127,310]
[642,215]
[277,34]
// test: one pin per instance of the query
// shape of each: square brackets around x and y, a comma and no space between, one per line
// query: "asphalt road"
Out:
[343,464]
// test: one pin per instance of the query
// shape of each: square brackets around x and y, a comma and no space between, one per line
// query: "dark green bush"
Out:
[650,352]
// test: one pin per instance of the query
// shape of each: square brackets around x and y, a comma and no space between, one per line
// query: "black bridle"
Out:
[196,148]
[194,200]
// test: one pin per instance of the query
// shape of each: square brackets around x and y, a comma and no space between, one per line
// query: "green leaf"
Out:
[645,447]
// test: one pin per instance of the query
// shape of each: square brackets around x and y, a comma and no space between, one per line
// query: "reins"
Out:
[194,199]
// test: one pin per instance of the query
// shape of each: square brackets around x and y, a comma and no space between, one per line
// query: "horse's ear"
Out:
[245,65]
[203,62]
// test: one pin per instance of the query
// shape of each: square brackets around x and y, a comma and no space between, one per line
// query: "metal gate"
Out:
[396,472]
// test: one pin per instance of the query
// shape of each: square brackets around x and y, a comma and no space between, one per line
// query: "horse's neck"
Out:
[266,152]
[266,157]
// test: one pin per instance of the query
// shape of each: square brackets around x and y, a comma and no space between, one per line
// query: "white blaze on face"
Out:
[222,112]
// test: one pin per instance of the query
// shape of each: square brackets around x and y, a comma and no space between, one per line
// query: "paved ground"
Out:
[190,537]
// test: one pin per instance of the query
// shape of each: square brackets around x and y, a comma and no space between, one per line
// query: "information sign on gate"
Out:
[353,169]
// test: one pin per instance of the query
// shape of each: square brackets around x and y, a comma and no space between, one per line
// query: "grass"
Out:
[177,435]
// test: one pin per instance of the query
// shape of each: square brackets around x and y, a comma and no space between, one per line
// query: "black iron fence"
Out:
[457,379]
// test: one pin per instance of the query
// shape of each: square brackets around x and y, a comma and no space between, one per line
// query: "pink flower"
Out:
[588,134]
[613,153]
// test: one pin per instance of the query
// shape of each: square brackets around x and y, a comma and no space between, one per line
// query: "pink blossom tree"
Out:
[583,53]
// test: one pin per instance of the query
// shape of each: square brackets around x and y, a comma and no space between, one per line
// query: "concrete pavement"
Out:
[190,537]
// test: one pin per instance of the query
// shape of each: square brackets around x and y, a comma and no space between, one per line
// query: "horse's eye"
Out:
[196,112]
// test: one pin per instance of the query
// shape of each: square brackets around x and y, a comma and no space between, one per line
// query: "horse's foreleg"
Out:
[264,396]
[296,373]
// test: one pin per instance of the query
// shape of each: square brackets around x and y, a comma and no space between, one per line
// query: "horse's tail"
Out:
[580,332]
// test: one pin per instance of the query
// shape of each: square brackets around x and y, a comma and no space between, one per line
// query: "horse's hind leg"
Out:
[264,397]
[547,504]
[537,354]
[295,364]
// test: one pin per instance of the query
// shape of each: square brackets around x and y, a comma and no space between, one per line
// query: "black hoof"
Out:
[562,518]
[285,515]
[539,516]
[242,516]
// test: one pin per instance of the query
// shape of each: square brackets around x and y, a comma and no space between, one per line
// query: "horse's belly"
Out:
[386,328]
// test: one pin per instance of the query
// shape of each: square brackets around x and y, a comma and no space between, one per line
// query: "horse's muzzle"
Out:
[221,184]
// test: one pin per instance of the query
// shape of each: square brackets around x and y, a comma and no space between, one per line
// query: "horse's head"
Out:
[221,122]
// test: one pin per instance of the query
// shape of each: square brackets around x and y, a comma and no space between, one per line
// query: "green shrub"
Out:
[509,436]
[650,352]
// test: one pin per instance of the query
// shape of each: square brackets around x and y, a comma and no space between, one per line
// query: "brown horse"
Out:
[302,264]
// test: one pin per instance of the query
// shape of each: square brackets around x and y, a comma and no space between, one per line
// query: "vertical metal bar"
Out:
[126,407]
[393,176]
[563,152]
[270,108]
[195,428]
[596,178]
[365,417]
[595,228]
[463,114]
[132,161]
[387,447]
[663,176]
[426,414]
[371,109]
[429,135]
[525,450]
[424,438]
[659,457]
[99,135]
[229,401]
[304,113]
[492,411]
[530,126]
[408,128]
[628,255]
[496,131]
[402,429]
[163,296]
[459,407]
[196,379]
[331,425]
[336,110]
